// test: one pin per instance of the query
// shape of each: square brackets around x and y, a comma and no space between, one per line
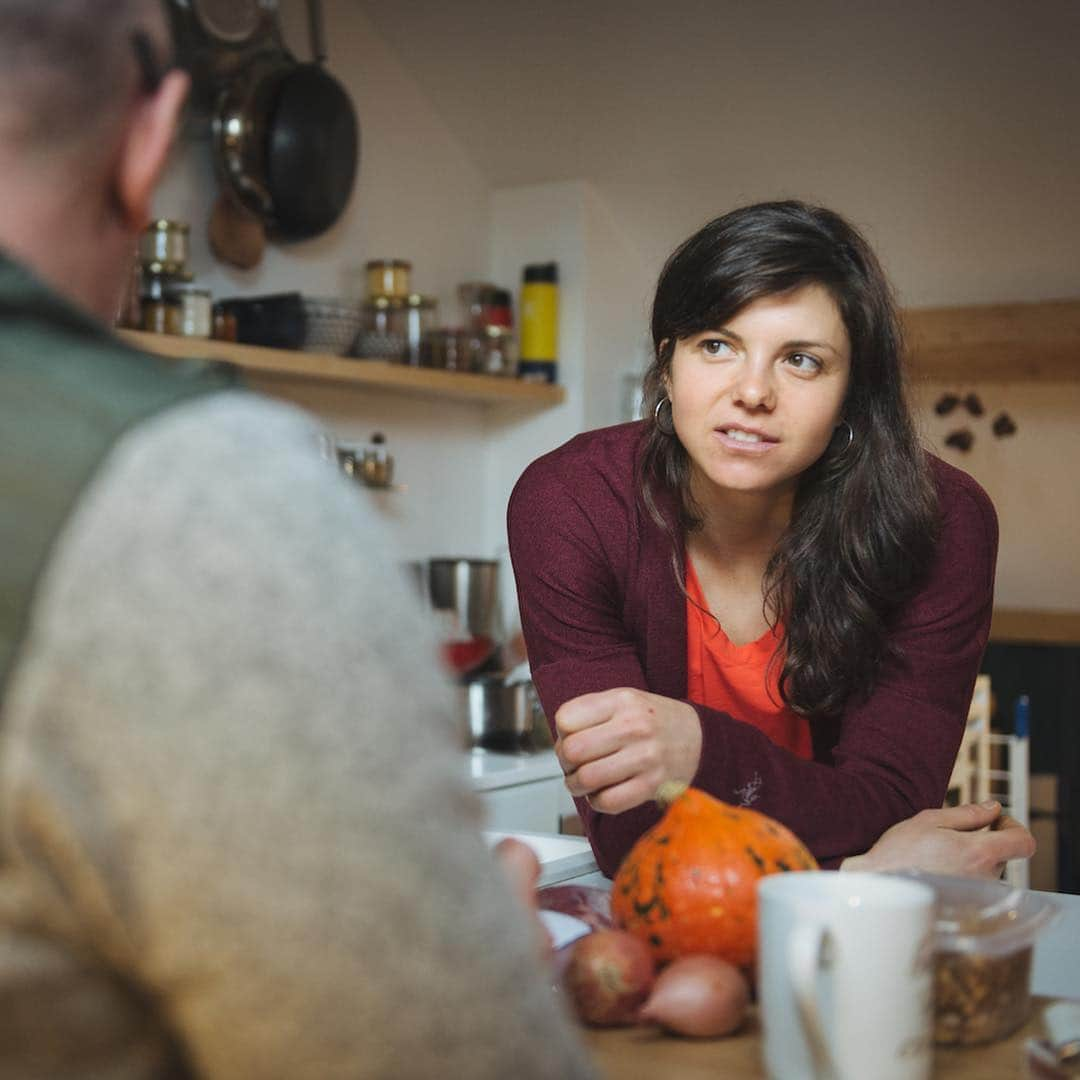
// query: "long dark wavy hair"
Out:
[865,518]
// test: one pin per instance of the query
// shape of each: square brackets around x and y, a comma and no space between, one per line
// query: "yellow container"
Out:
[539,347]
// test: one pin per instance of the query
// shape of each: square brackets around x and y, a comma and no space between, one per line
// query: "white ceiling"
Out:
[554,89]
[917,118]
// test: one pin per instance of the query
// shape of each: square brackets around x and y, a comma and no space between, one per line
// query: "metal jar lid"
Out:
[166,225]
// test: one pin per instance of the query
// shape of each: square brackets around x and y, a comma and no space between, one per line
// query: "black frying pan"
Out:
[287,141]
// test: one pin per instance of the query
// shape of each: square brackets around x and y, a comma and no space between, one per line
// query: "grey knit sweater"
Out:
[237,839]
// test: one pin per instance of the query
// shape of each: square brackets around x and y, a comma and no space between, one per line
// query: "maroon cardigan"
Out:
[601,608]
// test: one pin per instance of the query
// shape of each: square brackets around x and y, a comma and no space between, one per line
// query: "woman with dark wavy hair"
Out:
[766,588]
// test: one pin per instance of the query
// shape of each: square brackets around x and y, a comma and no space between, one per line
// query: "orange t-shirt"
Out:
[736,678]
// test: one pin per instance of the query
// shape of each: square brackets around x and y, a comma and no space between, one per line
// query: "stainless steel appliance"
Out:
[464,595]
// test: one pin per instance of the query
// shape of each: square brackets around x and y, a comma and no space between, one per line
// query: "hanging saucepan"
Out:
[286,140]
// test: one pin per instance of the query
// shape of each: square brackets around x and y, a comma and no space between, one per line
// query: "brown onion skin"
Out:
[608,978]
[700,996]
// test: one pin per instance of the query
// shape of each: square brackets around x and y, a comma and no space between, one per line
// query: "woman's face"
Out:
[755,402]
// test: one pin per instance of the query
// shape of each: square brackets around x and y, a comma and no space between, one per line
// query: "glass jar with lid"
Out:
[196,310]
[382,334]
[163,246]
[388,277]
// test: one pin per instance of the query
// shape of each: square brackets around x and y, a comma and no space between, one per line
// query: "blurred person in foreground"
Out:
[236,837]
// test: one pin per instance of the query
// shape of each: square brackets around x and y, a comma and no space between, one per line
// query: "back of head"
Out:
[67,67]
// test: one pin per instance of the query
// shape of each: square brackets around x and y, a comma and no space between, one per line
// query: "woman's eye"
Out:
[715,347]
[804,362]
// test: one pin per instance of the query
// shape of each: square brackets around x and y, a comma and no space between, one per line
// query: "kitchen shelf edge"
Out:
[379,375]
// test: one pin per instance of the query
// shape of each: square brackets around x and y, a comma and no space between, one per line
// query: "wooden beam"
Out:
[1019,627]
[995,342]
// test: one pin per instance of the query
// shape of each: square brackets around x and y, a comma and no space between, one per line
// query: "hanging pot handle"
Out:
[315,30]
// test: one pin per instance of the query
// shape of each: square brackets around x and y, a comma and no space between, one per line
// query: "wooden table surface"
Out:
[643,1053]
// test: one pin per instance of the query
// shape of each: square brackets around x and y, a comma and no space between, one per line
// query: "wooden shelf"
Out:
[959,345]
[995,342]
[375,374]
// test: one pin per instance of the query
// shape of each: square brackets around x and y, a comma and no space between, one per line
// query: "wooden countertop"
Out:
[643,1053]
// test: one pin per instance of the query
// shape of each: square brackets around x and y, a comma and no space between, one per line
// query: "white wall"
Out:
[419,197]
[493,138]
[1031,477]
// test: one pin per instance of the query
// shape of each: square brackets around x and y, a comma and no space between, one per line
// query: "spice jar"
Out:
[388,277]
[382,334]
[225,327]
[450,348]
[196,311]
[498,309]
[419,312]
[161,315]
[474,297]
[499,355]
[163,246]
[376,463]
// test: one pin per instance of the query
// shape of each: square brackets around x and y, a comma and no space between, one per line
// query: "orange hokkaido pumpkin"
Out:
[689,884]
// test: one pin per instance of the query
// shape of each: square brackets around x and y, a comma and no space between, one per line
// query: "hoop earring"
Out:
[663,420]
[850,437]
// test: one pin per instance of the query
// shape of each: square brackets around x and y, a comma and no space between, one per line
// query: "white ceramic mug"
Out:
[844,976]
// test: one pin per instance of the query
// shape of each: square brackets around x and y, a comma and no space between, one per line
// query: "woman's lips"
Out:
[744,440]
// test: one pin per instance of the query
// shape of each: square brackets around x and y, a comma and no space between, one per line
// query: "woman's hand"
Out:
[974,840]
[618,746]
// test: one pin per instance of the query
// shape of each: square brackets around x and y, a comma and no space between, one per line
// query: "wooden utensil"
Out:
[237,237]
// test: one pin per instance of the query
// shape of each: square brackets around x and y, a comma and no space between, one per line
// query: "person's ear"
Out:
[146,149]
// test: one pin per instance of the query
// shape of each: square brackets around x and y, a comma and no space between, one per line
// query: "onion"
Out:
[702,996]
[608,976]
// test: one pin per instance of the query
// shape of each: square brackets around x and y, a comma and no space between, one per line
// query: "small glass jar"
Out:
[473,297]
[499,355]
[457,350]
[163,246]
[388,277]
[161,315]
[382,334]
[225,327]
[419,312]
[196,311]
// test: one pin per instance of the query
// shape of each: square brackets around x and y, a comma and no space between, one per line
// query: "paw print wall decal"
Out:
[963,438]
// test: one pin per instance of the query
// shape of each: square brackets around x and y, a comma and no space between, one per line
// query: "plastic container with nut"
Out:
[983,942]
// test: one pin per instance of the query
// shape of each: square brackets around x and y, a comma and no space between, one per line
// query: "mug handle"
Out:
[805,947]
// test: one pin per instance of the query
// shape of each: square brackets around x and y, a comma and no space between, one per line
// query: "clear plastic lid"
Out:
[989,918]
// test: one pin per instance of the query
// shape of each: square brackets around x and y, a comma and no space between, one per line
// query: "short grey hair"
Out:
[66,66]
